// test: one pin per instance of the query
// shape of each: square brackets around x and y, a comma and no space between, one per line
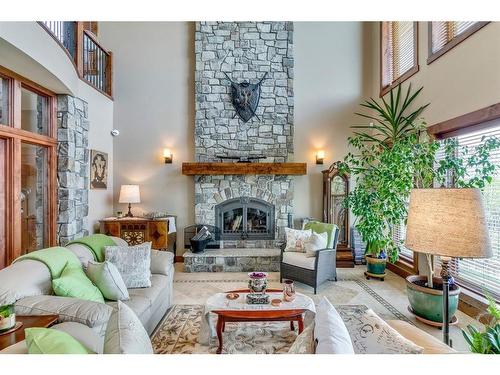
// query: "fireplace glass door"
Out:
[245,218]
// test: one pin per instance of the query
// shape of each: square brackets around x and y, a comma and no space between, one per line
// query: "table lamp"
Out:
[129,194]
[450,223]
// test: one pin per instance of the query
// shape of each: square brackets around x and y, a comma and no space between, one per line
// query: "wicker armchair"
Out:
[312,271]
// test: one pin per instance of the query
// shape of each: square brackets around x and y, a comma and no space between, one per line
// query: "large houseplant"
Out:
[394,154]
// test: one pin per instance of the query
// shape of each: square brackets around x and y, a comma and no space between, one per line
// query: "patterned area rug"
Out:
[178,331]
[178,334]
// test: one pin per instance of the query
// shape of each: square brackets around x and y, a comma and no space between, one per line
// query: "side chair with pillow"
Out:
[310,265]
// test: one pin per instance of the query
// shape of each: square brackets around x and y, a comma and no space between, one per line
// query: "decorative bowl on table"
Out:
[257,285]
[7,318]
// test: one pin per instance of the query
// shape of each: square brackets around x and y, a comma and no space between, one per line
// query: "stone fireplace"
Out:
[244,51]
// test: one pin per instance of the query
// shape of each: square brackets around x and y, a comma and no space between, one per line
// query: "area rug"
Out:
[177,333]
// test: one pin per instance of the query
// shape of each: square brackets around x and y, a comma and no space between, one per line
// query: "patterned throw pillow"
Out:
[295,239]
[133,263]
[304,343]
[370,334]
[317,241]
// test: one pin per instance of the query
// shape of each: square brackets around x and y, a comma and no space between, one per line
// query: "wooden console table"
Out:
[138,230]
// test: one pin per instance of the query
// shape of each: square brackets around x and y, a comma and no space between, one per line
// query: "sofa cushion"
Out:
[144,301]
[370,334]
[299,260]
[295,239]
[108,279]
[162,262]
[133,262]
[330,331]
[125,333]
[82,252]
[92,314]
[24,279]
[317,241]
[429,343]
[74,283]
[85,335]
[52,341]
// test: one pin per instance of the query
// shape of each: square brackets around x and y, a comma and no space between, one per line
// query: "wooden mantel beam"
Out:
[292,169]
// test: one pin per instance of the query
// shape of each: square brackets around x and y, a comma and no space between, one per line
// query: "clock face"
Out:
[338,186]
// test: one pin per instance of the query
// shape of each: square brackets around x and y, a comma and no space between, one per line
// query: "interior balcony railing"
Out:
[92,62]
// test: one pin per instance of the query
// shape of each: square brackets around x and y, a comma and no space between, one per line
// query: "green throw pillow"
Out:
[74,283]
[52,341]
[319,227]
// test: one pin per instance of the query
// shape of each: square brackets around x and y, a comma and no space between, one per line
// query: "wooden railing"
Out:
[92,62]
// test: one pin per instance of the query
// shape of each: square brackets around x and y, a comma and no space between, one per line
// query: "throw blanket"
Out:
[55,258]
[96,243]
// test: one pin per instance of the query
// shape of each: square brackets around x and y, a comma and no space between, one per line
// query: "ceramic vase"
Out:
[288,290]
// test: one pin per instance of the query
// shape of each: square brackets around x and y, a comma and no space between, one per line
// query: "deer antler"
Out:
[263,78]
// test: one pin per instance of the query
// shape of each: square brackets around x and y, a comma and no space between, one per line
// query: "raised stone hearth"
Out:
[233,260]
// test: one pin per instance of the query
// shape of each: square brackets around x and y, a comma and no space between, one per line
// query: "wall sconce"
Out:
[320,156]
[167,154]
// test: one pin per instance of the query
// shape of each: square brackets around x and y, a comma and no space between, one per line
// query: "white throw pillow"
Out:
[133,263]
[317,241]
[295,239]
[330,331]
[107,278]
[125,333]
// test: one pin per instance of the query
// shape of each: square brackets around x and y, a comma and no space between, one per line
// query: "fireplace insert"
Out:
[245,219]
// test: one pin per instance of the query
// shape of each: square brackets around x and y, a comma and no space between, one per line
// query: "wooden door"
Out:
[3,203]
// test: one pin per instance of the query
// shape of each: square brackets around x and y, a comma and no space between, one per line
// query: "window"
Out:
[399,236]
[482,275]
[444,35]
[399,57]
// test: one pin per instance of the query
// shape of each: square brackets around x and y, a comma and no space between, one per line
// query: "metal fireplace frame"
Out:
[245,203]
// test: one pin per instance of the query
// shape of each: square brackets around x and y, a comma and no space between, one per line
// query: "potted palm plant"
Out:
[389,152]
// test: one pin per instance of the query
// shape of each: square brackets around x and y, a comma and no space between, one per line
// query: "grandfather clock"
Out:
[335,190]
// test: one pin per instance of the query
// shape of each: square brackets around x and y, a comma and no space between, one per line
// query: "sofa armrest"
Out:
[162,262]
[92,314]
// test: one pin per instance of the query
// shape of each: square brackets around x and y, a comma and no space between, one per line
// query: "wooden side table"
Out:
[29,321]
[137,230]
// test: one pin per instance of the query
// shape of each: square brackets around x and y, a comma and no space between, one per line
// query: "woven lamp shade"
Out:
[448,222]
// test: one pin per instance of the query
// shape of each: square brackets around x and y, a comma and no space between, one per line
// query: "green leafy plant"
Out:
[488,341]
[394,154]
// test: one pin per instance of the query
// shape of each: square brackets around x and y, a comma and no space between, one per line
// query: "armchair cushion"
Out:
[299,260]
[319,227]
[317,241]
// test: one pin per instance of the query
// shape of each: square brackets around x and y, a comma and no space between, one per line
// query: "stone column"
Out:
[72,168]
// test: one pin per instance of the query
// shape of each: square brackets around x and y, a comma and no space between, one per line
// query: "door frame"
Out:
[14,136]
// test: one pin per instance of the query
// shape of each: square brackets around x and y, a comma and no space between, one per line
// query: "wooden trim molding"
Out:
[457,125]
[433,56]
[197,168]
[385,89]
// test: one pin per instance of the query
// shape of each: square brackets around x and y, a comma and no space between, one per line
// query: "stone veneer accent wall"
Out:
[72,168]
[245,51]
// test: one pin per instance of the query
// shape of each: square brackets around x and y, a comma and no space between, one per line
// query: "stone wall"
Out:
[72,168]
[244,51]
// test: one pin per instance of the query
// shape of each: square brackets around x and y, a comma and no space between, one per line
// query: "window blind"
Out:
[483,275]
[399,236]
[443,32]
[398,50]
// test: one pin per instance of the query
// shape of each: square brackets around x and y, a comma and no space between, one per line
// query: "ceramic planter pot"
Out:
[428,303]
[375,266]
